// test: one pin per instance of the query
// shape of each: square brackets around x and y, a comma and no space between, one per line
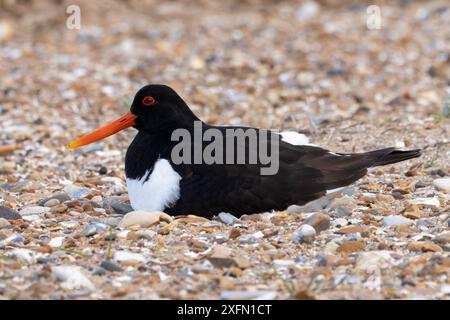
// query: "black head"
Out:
[158,107]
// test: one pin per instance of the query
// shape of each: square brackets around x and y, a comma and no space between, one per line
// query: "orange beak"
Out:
[105,131]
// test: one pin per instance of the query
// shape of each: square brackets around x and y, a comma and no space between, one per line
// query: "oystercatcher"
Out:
[157,181]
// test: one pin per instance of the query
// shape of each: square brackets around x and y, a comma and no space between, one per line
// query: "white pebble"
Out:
[34,210]
[442,184]
[128,256]
[143,218]
[56,242]
[72,278]
[24,255]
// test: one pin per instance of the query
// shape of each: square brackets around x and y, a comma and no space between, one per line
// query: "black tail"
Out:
[391,155]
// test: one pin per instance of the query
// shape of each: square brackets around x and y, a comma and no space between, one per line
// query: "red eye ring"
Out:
[148,100]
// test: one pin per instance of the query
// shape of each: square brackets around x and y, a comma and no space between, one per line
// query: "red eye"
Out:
[148,100]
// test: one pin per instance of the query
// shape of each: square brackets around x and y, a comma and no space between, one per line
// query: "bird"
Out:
[158,181]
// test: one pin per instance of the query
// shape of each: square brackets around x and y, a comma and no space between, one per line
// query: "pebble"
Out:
[448,223]
[31,217]
[424,222]
[72,277]
[318,221]
[4,223]
[24,255]
[110,266]
[247,295]
[144,218]
[61,197]
[117,206]
[351,246]
[424,246]
[442,184]
[15,239]
[56,242]
[304,234]
[427,202]
[146,234]
[76,192]
[371,261]
[38,210]
[9,214]
[128,256]
[340,222]
[389,221]
[93,228]
[228,218]
[51,203]
[342,212]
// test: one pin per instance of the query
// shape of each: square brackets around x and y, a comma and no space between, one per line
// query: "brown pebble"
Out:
[351,246]
[424,246]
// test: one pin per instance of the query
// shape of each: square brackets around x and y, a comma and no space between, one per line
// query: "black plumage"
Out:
[305,172]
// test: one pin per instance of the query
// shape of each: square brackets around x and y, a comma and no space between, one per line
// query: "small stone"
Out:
[61,197]
[304,234]
[424,246]
[318,221]
[146,234]
[110,266]
[371,261]
[51,203]
[420,184]
[390,221]
[15,239]
[427,202]
[38,210]
[4,223]
[9,214]
[442,184]
[442,238]
[117,206]
[24,255]
[31,217]
[125,256]
[228,218]
[103,171]
[412,215]
[342,212]
[89,230]
[247,238]
[424,222]
[76,192]
[351,246]
[7,149]
[350,230]
[340,222]
[72,278]
[144,218]
[56,242]
[247,295]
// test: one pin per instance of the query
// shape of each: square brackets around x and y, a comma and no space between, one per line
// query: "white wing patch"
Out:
[160,191]
[295,138]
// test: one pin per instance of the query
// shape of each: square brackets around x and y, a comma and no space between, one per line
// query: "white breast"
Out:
[161,190]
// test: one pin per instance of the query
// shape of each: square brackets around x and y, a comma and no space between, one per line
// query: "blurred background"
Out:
[354,75]
[318,66]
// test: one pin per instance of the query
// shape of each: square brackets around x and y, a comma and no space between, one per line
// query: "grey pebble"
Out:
[304,234]
[228,218]
[342,212]
[424,222]
[110,266]
[93,228]
[61,197]
[9,214]
[117,206]
[395,221]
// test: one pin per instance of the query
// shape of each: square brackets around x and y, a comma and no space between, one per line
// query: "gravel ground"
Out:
[311,66]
